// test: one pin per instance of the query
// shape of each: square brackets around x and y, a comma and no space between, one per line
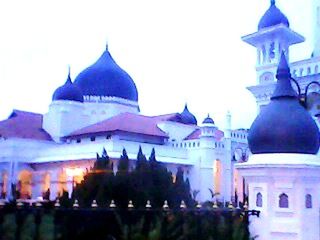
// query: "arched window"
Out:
[308,201]
[217,168]
[283,201]
[259,200]
[263,50]
[4,184]
[62,183]
[272,51]
[24,184]
[294,73]
[301,72]
[316,69]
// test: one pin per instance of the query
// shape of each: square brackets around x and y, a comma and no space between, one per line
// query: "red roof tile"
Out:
[175,117]
[21,124]
[196,134]
[126,122]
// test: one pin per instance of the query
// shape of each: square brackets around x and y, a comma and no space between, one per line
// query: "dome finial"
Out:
[69,77]
[283,67]
[283,86]
[273,2]
[107,45]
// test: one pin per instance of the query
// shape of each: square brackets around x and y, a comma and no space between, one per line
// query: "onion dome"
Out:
[68,91]
[273,16]
[106,78]
[208,120]
[187,117]
[284,126]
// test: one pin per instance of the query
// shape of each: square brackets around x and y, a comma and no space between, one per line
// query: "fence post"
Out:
[37,221]
[19,222]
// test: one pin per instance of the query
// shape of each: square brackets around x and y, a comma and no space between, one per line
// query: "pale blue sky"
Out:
[176,51]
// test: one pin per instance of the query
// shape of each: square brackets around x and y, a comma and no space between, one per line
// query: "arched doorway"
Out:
[4,184]
[217,176]
[46,186]
[24,185]
[62,183]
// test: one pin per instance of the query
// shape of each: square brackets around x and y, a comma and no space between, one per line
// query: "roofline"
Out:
[252,38]
[111,131]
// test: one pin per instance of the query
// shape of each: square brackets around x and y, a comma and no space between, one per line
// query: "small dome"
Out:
[187,117]
[284,126]
[68,91]
[208,120]
[106,78]
[273,16]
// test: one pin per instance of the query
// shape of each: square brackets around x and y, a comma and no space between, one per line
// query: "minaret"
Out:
[273,37]
[316,30]
[283,172]
[227,131]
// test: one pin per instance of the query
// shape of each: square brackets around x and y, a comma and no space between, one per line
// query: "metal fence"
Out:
[50,221]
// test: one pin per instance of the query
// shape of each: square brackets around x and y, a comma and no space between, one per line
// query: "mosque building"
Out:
[100,110]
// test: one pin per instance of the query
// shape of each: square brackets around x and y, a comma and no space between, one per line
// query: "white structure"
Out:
[276,178]
[100,110]
[283,172]
[274,35]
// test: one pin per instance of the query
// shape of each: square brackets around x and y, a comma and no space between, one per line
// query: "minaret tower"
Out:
[273,37]
[283,172]
[316,30]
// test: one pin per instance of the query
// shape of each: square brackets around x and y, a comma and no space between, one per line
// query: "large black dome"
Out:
[106,78]
[273,16]
[284,126]
[68,91]
[187,117]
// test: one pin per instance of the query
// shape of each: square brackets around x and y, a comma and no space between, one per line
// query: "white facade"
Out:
[53,151]
[277,179]
[39,165]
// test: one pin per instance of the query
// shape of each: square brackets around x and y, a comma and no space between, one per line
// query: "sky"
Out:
[176,51]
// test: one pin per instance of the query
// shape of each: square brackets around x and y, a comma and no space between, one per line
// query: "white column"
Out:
[277,51]
[228,125]
[258,56]
[70,182]
[54,184]
[267,46]
[37,181]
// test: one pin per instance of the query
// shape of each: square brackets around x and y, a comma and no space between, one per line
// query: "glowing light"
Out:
[76,174]
[72,172]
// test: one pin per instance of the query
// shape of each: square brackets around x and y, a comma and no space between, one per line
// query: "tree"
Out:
[97,182]
[150,180]
[102,163]
[182,189]
[142,163]
[123,166]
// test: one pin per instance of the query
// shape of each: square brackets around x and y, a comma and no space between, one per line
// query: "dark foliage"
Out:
[149,180]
